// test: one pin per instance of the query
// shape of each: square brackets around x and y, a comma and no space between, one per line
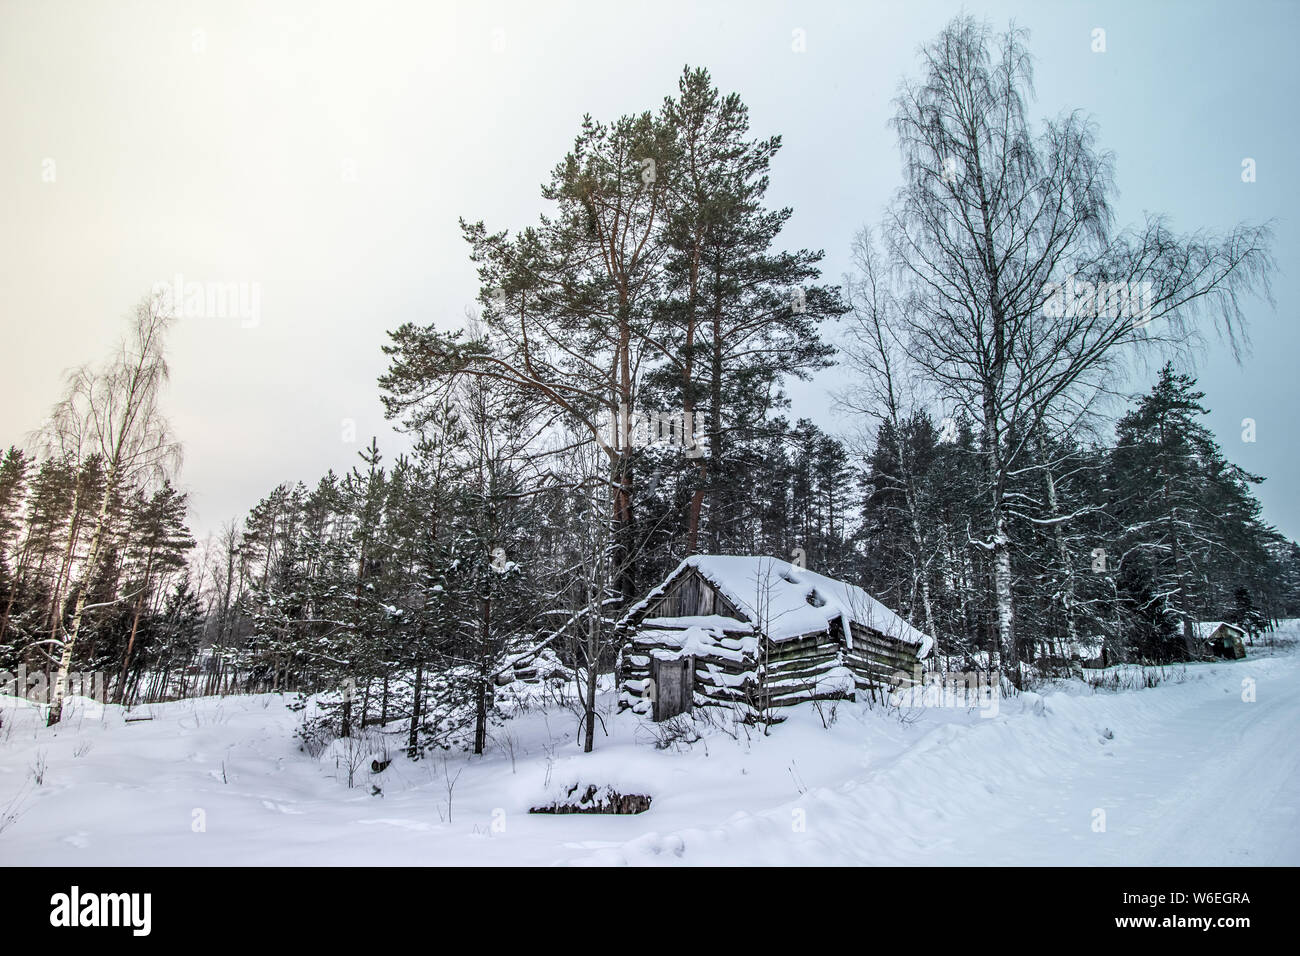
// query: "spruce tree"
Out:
[1188,517]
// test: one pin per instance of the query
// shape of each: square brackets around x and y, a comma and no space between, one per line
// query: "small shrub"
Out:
[676,732]
[39,766]
[315,734]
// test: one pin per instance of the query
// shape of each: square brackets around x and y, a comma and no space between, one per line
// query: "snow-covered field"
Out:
[1188,772]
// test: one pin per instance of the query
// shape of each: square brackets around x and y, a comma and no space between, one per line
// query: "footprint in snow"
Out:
[402,824]
[276,806]
[80,839]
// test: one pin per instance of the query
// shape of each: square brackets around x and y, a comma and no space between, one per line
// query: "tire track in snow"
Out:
[1192,774]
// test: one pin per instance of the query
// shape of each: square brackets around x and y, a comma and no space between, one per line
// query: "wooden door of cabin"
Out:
[674,683]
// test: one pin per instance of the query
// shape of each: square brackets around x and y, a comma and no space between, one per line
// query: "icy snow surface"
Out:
[1189,772]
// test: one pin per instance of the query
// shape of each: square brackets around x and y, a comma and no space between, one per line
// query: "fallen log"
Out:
[596,800]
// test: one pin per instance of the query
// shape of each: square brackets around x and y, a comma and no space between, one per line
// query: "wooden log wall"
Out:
[877,659]
[738,672]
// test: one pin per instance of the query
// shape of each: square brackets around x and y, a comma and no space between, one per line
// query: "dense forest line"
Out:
[617,402]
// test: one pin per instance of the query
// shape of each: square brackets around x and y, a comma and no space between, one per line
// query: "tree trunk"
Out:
[60,687]
[1067,596]
[413,735]
[594,625]
[484,678]
[715,427]
[135,625]
[1002,594]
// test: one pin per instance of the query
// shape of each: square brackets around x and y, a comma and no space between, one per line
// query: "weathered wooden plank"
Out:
[781,653]
[907,663]
[674,686]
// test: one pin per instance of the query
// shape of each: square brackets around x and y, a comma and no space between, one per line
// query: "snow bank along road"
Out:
[1203,769]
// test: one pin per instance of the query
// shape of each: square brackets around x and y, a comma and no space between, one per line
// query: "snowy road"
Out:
[1210,779]
[1204,770]
[1189,772]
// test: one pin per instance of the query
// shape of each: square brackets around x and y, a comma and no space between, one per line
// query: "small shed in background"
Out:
[1221,638]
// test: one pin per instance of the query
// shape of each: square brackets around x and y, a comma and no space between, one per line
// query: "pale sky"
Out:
[320,154]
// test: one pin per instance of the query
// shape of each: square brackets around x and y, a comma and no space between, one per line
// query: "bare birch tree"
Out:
[993,221]
[113,413]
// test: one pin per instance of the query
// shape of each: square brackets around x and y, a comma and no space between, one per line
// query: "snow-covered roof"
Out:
[1204,630]
[787,601]
[710,622]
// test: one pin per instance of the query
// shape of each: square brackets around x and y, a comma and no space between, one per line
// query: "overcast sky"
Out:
[320,154]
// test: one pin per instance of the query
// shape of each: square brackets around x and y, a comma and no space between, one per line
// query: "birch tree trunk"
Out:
[60,688]
[113,413]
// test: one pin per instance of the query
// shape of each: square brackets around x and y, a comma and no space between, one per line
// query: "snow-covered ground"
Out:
[1190,772]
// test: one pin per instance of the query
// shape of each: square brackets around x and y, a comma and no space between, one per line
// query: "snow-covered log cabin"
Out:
[1220,638]
[753,633]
